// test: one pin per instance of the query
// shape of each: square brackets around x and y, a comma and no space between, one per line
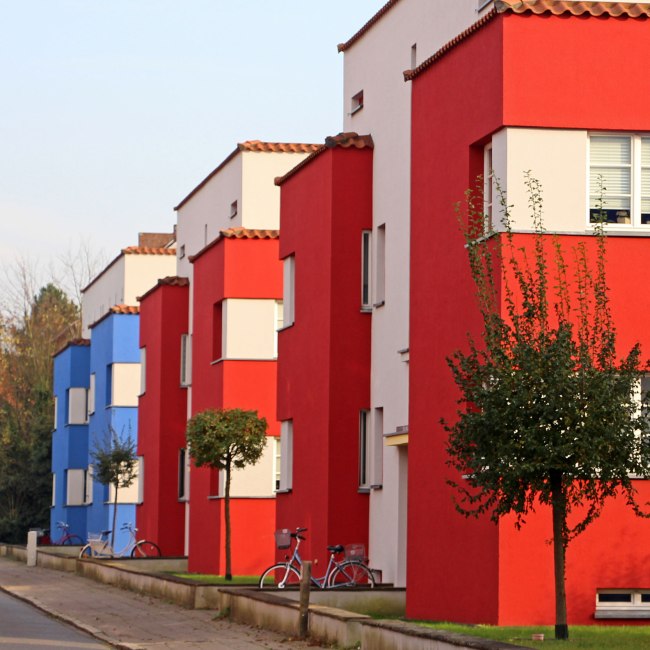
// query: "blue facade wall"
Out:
[115,339]
[69,442]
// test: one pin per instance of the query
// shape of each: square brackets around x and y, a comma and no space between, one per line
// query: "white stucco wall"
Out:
[375,64]
[101,295]
[249,329]
[142,272]
[555,157]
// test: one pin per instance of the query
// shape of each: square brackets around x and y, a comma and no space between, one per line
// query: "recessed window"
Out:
[88,485]
[143,370]
[77,406]
[623,603]
[414,56]
[56,411]
[186,360]
[279,324]
[364,448]
[233,209]
[366,261]
[377,450]
[619,179]
[357,103]
[277,463]
[289,291]
[488,190]
[182,474]
[217,331]
[286,453]
[380,267]
[75,487]
[205,234]
[181,251]
[91,394]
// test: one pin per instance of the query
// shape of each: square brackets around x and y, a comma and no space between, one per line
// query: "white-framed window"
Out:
[77,406]
[91,394]
[56,411]
[620,165]
[133,493]
[143,370]
[53,489]
[366,269]
[286,453]
[380,267]
[123,384]
[289,290]
[88,485]
[364,448]
[623,603]
[356,103]
[277,463]
[279,324]
[377,448]
[488,190]
[75,480]
[186,360]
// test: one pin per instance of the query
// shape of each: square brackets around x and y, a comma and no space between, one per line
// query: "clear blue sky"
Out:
[112,110]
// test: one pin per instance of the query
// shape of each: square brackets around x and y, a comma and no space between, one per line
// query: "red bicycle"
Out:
[67,538]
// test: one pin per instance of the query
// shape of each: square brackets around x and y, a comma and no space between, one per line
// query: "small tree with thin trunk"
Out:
[116,465]
[226,439]
[550,414]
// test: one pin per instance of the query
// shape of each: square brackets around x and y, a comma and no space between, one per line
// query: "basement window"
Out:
[623,603]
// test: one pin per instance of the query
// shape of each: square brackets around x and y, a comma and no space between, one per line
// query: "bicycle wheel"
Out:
[73,540]
[86,552]
[146,549]
[280,576]
[351,574]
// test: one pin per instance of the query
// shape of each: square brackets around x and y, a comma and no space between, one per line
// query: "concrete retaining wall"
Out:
[381,601]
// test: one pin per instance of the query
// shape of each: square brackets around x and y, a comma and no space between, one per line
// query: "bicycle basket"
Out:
[355,552]
[283,538]
[97,542]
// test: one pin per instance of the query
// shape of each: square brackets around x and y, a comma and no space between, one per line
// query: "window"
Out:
[182,474]
[619,170]
[623,603]
[414,56]
[91,394]
[357,103]
[56,411]
[53,489]
[279,324]
[75,487]
[377,449]
[123,384]
[88,485]
[286,453]
[186,360]
[289,291]
[366,261]
[133,493]
[277,463]
[364,449]
[181,251]
[488,190]
[380,267]
[217,331]
[77,406]
[205,234]
[233,209]
[143,370]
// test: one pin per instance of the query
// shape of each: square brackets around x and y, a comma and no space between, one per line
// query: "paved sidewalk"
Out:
[128,620]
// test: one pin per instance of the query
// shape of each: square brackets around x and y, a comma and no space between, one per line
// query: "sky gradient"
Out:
[113,110]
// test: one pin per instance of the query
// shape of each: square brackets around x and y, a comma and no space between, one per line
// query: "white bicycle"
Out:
[99,546]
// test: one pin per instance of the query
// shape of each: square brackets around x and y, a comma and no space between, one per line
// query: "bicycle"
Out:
[67,538]
[98,546]
[351,572]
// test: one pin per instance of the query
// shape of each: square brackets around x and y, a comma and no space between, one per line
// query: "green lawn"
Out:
[585,637]
[210,579]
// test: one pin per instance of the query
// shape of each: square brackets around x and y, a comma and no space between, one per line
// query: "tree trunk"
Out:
[227,517]
[114,518]
[558,502]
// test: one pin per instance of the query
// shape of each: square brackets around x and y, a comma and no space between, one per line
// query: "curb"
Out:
[88,629]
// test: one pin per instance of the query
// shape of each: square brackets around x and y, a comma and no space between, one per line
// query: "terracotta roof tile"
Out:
[148,250]
[558,7]
[124,309]
[255,146]
[538,7]
[156,239]
[276,147]
[169,281]
[247,233]
[343,140]
[376,18]
[72,343]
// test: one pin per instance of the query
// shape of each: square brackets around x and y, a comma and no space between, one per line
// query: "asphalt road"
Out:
[23,627]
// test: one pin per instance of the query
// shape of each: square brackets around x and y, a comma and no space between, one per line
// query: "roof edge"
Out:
[342,47]
[169,281]
[72,343]
[237,232]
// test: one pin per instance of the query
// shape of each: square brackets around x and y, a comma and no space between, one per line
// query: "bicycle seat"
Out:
[106,532]
[335,549]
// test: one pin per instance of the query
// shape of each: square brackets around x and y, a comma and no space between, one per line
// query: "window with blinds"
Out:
[619,179]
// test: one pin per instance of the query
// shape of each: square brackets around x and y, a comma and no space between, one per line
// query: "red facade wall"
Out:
[324,358]
[541,71]
[162,416]
[233,268]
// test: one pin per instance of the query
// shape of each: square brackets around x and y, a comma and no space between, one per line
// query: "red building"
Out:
[324,360]
[237,292]
[531,86]
[162,411]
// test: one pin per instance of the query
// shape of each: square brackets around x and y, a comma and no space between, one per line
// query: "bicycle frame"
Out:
[106,548]
[296,562]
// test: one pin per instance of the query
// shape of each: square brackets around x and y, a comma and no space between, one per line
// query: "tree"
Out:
[116,465]
[29,336]
[550,414]
[226,439]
